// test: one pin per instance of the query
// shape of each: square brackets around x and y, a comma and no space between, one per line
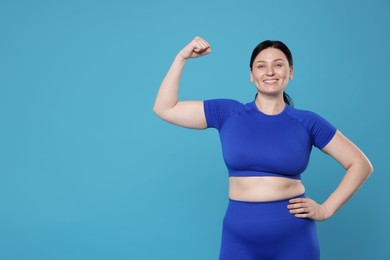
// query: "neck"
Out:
[270,105]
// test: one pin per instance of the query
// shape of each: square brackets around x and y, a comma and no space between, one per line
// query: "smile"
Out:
[270,81]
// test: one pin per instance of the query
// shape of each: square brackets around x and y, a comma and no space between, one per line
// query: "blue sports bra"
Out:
[257,144]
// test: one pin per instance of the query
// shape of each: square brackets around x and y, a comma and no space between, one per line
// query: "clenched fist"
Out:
[196,48]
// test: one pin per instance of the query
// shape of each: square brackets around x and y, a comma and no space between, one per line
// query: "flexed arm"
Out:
[167,106]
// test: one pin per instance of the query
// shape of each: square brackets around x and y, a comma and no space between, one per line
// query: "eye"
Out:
[260,66]
[279,65]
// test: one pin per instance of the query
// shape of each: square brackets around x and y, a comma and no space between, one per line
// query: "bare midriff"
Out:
[264,188]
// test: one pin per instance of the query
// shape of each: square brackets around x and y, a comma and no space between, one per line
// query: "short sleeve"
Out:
[217,111]
[321,131]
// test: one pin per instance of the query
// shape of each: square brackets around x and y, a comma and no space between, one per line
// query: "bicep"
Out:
[343,150]
[189,114]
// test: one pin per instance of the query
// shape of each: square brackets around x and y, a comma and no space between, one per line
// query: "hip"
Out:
[266,230]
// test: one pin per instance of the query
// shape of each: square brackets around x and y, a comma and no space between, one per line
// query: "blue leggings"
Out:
[267,231]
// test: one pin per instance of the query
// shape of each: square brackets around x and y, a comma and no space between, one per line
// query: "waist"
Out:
[265,188]
[260,211]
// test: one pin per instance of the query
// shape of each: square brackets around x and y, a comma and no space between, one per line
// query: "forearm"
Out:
[351,182]
[167,95]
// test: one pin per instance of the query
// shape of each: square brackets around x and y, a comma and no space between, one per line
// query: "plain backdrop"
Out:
[87,171]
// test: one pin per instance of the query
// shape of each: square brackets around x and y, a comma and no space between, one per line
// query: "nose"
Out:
[270,71]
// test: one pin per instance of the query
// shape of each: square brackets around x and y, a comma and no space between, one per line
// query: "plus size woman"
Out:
[266,145]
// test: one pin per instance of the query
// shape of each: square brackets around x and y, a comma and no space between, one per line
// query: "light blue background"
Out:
[87,171]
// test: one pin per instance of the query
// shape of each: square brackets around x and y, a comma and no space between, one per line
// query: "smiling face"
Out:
[271,72]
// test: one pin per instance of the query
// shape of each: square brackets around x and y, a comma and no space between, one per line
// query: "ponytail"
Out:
[287,99]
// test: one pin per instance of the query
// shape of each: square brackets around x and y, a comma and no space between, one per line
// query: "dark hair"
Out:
[280,46]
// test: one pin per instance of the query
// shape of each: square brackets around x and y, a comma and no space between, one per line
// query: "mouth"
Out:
[270,81]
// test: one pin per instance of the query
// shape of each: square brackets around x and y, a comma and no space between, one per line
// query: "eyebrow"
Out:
[272,61]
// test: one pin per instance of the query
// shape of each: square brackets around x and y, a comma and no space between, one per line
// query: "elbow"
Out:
[370,168]
[366,167]
[156,110]
[363,166]
[159,112]
[162,111]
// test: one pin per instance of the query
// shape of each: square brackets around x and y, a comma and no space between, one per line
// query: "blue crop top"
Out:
[257,144]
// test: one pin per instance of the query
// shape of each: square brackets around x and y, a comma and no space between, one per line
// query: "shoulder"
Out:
[304,115]
[217,111]
[320,129]
[224,104]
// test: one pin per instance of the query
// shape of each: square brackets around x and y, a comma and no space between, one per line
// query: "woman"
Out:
[266,146]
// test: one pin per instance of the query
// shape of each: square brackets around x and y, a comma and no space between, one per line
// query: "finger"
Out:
[203,43]
[297,200]
[197,47]
[297,205]
[295,211]
[302,215]
[206,42]
[203,52]
[198,44]
[300,209]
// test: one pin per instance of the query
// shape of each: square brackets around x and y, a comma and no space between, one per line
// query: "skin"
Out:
[270,75]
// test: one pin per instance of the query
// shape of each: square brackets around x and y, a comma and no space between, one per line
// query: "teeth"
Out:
[270,80]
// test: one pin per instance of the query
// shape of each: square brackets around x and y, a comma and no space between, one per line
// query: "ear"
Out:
[251,75]
[291,72]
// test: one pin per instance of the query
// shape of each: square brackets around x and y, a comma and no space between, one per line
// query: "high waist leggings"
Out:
[267,231]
